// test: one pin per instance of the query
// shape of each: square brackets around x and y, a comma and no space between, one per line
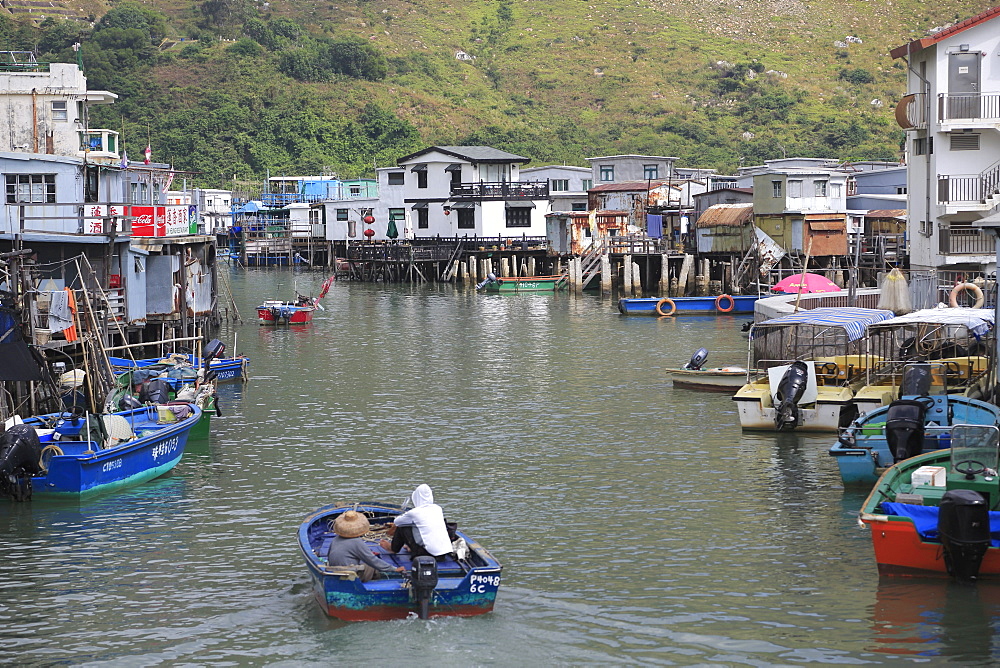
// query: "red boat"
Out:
[298,312]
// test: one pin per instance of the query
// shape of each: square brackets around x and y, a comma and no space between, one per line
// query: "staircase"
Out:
[989,185]
[452,266]
[590,261]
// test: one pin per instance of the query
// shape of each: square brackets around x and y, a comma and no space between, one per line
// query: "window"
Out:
[466,219]
[775,188]
[650,172]
[395,178]
[91,184]
[579,206]
[422,219]
[835,190]
[923,145]
[59,110]
[821,188]
[518,216]
[355,189]
[422,179]
[965,142]
[31,188]
[315,217]
[341,214]
[607,172]
[587,184]
[397,216]
[795,188]
[900,191]
[559,185]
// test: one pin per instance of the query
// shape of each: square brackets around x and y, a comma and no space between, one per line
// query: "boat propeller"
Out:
[697,360]
[791,387]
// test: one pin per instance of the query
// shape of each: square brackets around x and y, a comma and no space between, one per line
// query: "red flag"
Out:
[148,152]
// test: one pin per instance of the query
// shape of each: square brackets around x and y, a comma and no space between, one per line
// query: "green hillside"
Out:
[236,89]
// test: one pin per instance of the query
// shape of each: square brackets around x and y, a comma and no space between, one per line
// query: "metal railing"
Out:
[965,241]
[502,190]
[970,188]
[969,106]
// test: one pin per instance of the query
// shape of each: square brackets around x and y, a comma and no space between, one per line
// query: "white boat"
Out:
[721,379]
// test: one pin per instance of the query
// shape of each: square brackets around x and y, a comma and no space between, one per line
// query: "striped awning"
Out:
[976,320]
[853,320]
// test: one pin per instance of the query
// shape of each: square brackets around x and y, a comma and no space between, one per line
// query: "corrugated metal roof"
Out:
[886,213]
[470,153]
[726,214]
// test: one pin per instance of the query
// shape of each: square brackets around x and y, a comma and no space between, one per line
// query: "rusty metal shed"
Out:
[725,228]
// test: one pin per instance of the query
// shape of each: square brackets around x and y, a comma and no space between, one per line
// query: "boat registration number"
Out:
[165,448]
[112,465]
[479,583]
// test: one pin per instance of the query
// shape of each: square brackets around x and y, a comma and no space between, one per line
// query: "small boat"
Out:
[523,284]
[807,366]
[464,586]
[935,514]
[298,312]
[919,421]
[961,339]
[73,455]
[186,367]
[693,376]
[722,304]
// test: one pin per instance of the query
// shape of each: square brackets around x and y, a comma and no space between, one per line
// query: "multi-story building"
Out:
[951,114]
[803,210]
[568,185]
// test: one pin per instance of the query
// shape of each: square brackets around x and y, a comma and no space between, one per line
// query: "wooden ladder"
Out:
[591,261]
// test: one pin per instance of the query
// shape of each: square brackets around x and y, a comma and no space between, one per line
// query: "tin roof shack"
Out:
[180,278]
[720,195]
[725,228]
[803,210]
[572,233]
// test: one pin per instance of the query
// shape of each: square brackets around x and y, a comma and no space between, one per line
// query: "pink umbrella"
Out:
[805,283]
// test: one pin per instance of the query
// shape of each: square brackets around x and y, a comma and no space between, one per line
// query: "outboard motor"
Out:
[791,387]
[424,579]
[904,428]
[128,402]
[916,380]
[490,278]
[20,451]
[964,529]
[213,350]
[697,360]
[156,391]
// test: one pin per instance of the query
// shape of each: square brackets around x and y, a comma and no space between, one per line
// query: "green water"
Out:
[635,522]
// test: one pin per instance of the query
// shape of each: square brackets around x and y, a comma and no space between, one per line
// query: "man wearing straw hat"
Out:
[347,548]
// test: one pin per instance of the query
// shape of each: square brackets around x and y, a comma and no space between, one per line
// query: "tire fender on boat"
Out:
[719,300]
[971,287]
[666,301]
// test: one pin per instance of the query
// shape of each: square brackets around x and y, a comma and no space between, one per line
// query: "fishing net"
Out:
[894,293]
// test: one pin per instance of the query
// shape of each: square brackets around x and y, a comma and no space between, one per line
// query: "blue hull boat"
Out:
[143,443]
[723,304]
[226,369]
[467,585]
[905,428]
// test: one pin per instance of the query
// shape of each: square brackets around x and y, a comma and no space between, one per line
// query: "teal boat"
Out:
[523,284]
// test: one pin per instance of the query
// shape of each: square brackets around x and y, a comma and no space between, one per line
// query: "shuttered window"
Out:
[965,141]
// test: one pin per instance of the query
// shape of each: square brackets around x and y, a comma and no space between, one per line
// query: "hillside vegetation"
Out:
[234,89]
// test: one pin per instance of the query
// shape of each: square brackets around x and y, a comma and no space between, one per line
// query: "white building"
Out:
[568,185]
[951,114]
[619,168]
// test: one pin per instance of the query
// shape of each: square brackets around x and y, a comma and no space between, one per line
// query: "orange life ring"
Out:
[972,287]
[665,301]
[718,301]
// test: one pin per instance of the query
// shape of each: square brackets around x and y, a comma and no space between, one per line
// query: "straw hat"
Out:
[351,525]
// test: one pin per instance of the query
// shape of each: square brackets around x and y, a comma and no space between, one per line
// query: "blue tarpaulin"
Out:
[853,320]
[925,519]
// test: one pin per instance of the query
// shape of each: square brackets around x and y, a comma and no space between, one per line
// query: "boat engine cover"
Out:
[904,428]
[697,360]
[156,391]
[964,529]
[20,451]
[790,389]
[213,349]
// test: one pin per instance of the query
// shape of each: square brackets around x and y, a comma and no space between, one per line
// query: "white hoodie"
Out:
[428,518]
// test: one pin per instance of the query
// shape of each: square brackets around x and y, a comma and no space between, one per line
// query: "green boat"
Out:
[523,284]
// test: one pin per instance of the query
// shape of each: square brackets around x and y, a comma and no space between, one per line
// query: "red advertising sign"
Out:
[143,221]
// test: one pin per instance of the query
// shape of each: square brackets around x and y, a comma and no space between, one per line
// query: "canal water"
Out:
[635,522]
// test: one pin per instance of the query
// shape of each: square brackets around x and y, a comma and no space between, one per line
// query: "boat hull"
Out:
[709,380]
[284,314]
[827,414]
[78,473]
[226,370]
[462,590]
[742,304]
[526,284]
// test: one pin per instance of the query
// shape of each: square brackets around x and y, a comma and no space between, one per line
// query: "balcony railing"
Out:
[968,106]
[502,190]
[965,241]
[968,188]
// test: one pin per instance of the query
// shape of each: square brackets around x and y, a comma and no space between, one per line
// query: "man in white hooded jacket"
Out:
[422,528]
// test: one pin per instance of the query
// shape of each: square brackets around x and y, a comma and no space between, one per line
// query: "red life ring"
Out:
[664,302]
[718,304]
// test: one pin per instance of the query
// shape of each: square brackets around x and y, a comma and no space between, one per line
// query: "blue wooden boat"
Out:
[659,306]
[466,585]
[918,422]
[184,368]
[72,456]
